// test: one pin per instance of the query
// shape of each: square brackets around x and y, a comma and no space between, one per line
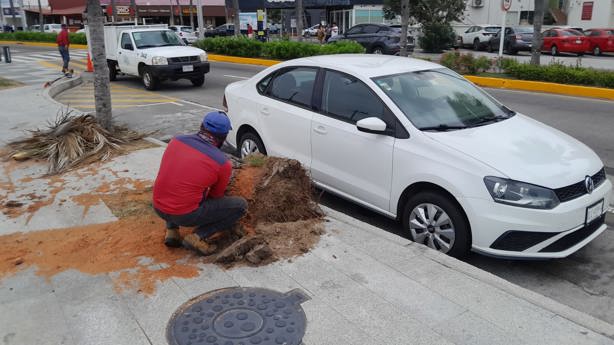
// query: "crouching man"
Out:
[189,189]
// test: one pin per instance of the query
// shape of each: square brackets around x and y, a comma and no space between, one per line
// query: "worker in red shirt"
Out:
[63,43]
[189,189]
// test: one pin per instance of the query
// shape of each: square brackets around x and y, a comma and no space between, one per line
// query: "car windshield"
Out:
[492,29]
[152,39]
[186,29]
[571,33]
[440,99]
[524,30]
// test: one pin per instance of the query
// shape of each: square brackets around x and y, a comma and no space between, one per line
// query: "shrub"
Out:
[279,50]
[465,63]
[31,36]
[560,73]
[436,37]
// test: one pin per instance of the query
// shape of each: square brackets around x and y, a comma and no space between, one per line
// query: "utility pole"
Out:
[199,14]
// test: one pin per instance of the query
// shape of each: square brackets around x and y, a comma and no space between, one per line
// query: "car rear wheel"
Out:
[250,143]
[150,82]
[554,51]
[596,51]
[377,50]
[432,219]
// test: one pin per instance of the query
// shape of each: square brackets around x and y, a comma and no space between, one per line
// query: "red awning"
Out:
[67,11]
[35,10]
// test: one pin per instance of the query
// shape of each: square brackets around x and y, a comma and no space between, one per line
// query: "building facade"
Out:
[590,14]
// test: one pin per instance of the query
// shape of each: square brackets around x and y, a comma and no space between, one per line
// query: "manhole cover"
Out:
[240,316]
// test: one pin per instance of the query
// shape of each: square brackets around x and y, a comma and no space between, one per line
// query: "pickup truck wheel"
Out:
[112,71]
[198,81]
[149,81]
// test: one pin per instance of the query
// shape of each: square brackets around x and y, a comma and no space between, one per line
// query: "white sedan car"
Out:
[417,142]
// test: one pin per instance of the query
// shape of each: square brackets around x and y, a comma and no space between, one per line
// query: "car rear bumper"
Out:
[507,231]
[175,71]
[573,48]
[522,46]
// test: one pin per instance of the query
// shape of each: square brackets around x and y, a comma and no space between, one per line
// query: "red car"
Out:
[600,40]
[565,41]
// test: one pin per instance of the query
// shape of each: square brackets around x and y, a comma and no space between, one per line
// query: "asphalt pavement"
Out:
[584,280]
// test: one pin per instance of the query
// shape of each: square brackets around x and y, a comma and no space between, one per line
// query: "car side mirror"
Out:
[371,125]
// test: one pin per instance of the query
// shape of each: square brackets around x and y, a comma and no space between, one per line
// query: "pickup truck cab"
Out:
[154,54]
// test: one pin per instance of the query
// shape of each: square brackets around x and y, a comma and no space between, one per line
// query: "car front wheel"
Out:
[250,143]
[150,82]
[198,82]
[596,51]
[432,219]
[554,51]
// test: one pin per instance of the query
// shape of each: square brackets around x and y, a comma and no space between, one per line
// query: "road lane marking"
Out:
[200,105]
[235,76]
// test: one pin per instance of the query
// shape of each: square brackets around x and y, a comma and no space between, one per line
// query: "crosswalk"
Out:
[34,67]
[52,55]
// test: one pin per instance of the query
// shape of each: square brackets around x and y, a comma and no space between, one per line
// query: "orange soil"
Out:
[244,184]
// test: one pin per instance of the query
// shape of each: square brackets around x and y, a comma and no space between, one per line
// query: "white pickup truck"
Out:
[153,53]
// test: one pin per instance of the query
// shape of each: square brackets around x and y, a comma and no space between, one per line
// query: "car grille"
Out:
[518,241]
[576,190]
[575,237]
[184,59]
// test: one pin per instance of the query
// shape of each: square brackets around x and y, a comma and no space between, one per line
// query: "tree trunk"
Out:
[191,15]
[102,91]
[134,13]
[404,27]
[113,11]
[237,21]
[180,14]
[538,20]
[299,19]
[13,12]
[172,14]
[41,17]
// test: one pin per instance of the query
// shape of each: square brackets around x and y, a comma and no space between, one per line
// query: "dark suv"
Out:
[376,38]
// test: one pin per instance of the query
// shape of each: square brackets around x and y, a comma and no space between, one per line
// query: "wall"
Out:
[602,14]
[492,13]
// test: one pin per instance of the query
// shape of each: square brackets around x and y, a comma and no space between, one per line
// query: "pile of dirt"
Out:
[283,222]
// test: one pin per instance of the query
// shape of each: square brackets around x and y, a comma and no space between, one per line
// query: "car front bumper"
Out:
[514,232]
[175,71]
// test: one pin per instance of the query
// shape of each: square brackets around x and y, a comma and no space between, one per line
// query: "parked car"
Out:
[517,38]
[185,33]
[419,143]
[223,30]
[56,28]
[600,40]
[564,41]
[311,31]
[376,38]
[478,36]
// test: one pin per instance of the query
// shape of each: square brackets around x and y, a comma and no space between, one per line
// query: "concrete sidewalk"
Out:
[366,286]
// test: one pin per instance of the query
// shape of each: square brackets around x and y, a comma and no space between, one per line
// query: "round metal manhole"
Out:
[240,316]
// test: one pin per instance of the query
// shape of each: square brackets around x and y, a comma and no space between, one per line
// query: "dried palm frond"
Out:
[70,141]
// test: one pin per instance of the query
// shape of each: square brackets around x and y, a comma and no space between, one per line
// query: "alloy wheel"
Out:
[147,79]
[430,225]
[597,51]
[248,146]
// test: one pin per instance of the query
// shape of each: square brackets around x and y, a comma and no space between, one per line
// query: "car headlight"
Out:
[520,194]
[203,57]
[159,60]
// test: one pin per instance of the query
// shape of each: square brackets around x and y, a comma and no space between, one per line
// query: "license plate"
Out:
[188,68]
[578,41]
[594,211]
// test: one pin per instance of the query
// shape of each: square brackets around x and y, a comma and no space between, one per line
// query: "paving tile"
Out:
[23,285]
[469,329]
[211,278]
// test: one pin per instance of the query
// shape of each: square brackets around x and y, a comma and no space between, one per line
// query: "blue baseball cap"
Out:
[217,122]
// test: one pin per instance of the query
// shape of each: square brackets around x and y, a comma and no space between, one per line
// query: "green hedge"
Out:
[465,63]
[560,73]
[278,50]
[30,36]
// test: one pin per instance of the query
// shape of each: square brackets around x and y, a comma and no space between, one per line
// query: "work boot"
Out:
[193,241]
[172,238]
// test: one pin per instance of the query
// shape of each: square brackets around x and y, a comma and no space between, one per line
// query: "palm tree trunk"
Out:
[191,15]
[113,11]
[404,27]
[235,6]
[12,11]
[180,13]
[41,17]
[102,91]
[299,19]
[538,20]
[133,7]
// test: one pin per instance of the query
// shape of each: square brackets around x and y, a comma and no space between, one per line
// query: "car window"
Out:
[294,86]
[492,29]
[384,29]
[348,99]
[524,30]
[186,29]
[594,33]
[264,83]
[508,31]
[172,28]
[568,33]
[370,29]
[355,30]
[610,32]
[126,41]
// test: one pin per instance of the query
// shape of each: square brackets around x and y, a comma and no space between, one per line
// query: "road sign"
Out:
[506,5]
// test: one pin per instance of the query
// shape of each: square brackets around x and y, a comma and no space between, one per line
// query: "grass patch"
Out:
[255,160]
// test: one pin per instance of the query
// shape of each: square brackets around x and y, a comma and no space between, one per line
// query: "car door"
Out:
[355,34]
[469,35]
[127,55]
[345,160]
[369,36]
[285,115]
[547,40]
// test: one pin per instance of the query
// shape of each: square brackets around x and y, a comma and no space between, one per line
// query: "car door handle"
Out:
[320,129]
[264,111]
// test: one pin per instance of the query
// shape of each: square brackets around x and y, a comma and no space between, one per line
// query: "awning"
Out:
[68,11]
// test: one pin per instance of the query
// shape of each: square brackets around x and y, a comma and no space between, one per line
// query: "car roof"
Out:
[365,65]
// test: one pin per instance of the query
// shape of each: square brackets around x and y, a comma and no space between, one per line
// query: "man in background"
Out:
[63,43]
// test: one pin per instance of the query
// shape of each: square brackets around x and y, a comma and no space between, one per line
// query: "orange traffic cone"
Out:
[90,67]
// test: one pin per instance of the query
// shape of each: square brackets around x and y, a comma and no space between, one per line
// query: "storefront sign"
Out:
[7,11]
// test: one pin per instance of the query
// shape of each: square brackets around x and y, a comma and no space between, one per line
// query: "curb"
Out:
[42,44]
[242,60]
[560,89]
[543,302]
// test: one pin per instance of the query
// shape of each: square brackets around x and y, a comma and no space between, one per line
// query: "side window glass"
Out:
[126,43]
[264,83]
[294,86]
[371,29]
[508,31]
[355,30]
[595,33]
[349,99]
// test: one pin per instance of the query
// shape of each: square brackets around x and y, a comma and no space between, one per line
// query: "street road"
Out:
[584,280]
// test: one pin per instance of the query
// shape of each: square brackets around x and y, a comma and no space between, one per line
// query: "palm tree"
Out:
[133,7]
[102,91]
[404,27]
[113,11]
[538,20]
[235,5]
[41,18]
[299,19]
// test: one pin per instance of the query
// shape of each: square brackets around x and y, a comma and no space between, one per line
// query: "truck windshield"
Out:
[152,39]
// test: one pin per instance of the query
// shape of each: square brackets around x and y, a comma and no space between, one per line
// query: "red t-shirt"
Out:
[191,170]
[62,39]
